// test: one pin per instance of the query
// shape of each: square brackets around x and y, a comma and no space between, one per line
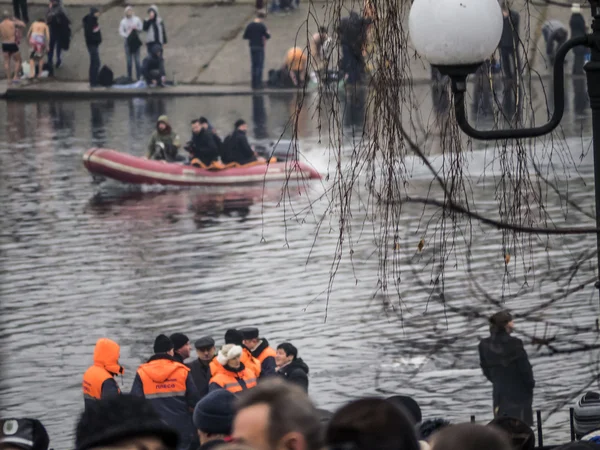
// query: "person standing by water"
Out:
[156,34]
[256,34]
[168,386]
[129,29]
[578,28]
[182,346]
[510,62]
[200,367]
[10,49]
[554,32]
[60,28]
[259,347]
[504,362]
[99,380]
[20,10]
[93,39]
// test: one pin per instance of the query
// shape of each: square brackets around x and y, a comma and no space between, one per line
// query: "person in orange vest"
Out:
[99,380]
[231,373]
[169,387]
[259,347]
[233,336]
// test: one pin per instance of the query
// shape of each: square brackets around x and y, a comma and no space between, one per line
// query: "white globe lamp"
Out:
[455,32]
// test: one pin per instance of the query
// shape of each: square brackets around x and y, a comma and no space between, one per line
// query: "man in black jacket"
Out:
[93,39]
[290,366]
[236,147]
[153,67]
[510,62]
[200,368]
[505,363]
[205,146]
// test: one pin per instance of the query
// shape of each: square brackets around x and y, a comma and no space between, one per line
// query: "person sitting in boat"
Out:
[164,142]
[204,149]
[236,147]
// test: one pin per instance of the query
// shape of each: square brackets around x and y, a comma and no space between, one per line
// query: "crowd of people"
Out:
[205,149]
[245,394]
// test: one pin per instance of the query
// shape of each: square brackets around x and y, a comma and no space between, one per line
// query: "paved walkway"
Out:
[205,42]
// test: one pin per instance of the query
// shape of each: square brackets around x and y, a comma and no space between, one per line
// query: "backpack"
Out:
[105,77]
[133,41]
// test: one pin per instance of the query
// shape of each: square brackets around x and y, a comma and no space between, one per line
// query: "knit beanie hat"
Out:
[214,413]
[586,415]
[162,344]
[233,336]
[28,434]
[228,352]
[179,340]
[408,405]
[110,420]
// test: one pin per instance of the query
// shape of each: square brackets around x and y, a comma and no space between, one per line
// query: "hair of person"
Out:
[471,436]
[289,349]
[260,14]
[41,19]
[203,120]
[371,424]
[427,428]
[323,30]
[195,121]
[290,410]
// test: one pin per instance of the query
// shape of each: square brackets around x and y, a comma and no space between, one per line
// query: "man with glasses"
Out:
[200,368]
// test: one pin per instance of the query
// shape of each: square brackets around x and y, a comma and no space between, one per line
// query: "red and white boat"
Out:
[133,169]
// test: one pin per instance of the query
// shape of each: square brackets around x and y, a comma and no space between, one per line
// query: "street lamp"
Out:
[457,36]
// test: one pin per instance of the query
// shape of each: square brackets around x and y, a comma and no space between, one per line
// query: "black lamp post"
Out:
[458,76]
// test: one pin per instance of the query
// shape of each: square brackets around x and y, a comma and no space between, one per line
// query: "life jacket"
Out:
[163,378]
[234,381]
[249,362]
[106,365]
[265,353]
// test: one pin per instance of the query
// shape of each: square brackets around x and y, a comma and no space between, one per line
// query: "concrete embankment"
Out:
[205,45]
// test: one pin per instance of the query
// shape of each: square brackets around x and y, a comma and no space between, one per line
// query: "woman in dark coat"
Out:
[505,363]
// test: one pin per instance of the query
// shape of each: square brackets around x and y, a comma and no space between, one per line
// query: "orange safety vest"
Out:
[93,378]
[231,380]
[249,362]
[163,378]
[268,351]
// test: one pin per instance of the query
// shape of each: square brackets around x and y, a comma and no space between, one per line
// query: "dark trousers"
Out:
[510,63]
[20,9]
[579,60]
[54,45]
[94,64]
[257,61]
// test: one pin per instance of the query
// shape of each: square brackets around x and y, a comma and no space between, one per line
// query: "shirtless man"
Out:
[39,42]
[10,49]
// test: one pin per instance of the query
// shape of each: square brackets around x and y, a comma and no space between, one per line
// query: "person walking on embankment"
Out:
[504,362]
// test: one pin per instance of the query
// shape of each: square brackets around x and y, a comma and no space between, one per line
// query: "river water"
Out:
[81,261]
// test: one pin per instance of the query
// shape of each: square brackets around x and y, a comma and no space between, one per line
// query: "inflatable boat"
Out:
[126,168]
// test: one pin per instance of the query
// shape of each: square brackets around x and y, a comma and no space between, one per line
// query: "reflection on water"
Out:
[82,261]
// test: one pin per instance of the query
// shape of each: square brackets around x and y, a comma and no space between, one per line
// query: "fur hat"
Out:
[228,352]
[576,8]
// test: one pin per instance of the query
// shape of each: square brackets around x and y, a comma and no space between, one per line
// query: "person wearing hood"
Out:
[290,366]
[155,29]
[504,362]
[578,29]
[181,345]
[93,39]
[231,374]
[259,347]
[236,147]
[153,67]
[167,384]
[60,33]
[129,29]
[164,142]
[99,380]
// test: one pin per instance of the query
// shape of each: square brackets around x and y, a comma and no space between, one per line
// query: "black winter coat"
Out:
[206,147]
[578,28]
[237,149]
[510,31]
[201,376]
[91,30]
[505,363]
[296,372]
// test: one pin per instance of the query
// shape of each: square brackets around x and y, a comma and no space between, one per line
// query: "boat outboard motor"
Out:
[283,149]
